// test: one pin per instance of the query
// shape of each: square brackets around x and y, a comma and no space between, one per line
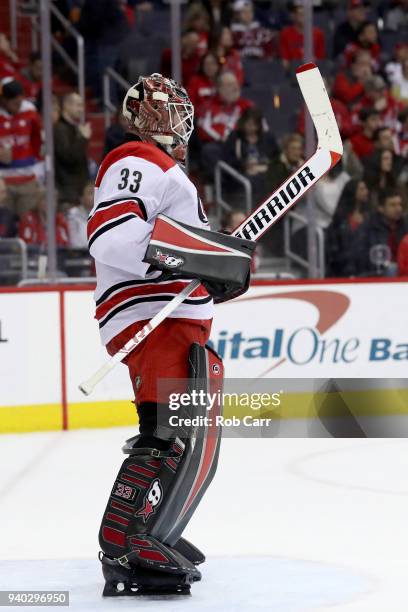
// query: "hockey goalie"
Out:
[149,236]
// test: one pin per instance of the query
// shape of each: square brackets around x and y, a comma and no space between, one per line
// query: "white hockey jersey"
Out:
[136,182]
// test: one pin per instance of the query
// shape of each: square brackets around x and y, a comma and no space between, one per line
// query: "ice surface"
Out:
[229,583]
[287,525]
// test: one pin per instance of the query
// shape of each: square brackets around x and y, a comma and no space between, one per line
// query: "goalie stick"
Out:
[328,153]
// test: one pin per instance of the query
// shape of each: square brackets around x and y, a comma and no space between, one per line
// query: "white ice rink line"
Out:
[341,504]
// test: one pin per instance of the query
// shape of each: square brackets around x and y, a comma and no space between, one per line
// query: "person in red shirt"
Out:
[219,118]
[190,57]
[202,86]
[33,224]
[363,142]
[349,83]
[228,57]
[20,144]
[367,39]
[377,96]
[221,114]
[291,39]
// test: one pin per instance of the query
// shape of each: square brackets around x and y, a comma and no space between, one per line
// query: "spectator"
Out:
[393,69]
[77,218]
[250,38]
[384,140]
[385,227]
[71,138]
[403,133]
[349,82]
[190,57]
[399,83]
[9,62]
[33,224]
[291,38]
[363,142]
[220,118]
[228,57]
[367,40]
[202,86]
[198,20]
[326,194]
[249,148]
[376,96]
[115,135]
[20,144]
[353,208]
[397,17]
[346,32]
[8,218]
[32,77]
[287,162]
[382,171]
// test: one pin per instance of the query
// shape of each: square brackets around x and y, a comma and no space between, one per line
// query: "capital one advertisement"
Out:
[355,329]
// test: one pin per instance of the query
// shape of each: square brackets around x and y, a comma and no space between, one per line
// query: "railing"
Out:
[224,168]
[292,256]
[109,107]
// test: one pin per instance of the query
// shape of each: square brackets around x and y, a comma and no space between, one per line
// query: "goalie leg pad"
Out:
[162,481]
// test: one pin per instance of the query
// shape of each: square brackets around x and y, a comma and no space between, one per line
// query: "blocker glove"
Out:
[221,262]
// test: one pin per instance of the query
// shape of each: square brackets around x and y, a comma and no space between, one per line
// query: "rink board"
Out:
[49,342]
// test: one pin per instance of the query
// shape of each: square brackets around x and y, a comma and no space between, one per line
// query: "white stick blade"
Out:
[318,103]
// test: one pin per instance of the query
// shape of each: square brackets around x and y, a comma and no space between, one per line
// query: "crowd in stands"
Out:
[361,204]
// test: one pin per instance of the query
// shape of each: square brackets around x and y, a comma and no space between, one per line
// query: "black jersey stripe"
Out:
[153,298]
[107,203]
[109,226]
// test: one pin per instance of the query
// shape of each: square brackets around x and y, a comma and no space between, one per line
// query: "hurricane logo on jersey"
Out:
[152,500]
[170,261]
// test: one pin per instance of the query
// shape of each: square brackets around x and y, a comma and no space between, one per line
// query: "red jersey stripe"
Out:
[141,290]
[102,216]
[166,232]
[144,150]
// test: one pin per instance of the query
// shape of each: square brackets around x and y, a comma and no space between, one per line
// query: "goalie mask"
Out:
[161,112]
